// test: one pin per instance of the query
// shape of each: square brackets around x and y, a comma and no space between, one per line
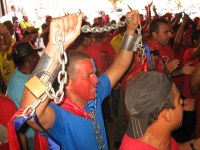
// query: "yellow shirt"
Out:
[116,42]
[25,24]
[7,67]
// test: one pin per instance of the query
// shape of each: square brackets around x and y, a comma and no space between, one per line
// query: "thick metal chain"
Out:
[62,75]
[62,57]
[62,79]
[87,28]
[139,43]
[97,131]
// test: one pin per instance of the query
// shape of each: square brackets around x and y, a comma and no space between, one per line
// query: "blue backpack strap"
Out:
[52,143]
[19,121]
[147,51]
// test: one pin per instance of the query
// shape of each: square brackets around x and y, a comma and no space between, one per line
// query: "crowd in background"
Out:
[177,54]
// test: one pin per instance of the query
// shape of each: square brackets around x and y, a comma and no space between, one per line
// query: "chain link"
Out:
[87,28]
[140,46]
[62,78]
[62,57]
[62,75]
[97,131]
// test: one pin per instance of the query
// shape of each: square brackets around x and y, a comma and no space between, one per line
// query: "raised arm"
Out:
[179,34]
[124,56]
[69,25]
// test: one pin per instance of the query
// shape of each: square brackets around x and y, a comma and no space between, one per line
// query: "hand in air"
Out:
[69,26]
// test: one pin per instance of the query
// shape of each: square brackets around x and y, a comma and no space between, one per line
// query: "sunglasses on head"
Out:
[155,52]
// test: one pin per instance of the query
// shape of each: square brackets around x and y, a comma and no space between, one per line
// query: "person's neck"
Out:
[76,100]
[81,48]
[25,70]
[155,41]
[160,139]
[98,42]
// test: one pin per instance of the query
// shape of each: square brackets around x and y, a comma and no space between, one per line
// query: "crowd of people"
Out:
[151,93]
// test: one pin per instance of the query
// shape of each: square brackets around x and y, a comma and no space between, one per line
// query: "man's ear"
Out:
[68,84]
[165,114]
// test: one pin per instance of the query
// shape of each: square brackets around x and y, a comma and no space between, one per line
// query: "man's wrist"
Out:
[47,68]
[52,50]
[129,42]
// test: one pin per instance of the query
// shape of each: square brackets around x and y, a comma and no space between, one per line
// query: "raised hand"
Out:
[135,21]
[154,8]
[69,26]
[172,65]
[188,68]
[149,5]
[189,104]
[186,18]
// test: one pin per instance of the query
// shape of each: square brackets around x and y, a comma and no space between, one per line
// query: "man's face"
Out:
[48,20]
[85,81]
[13,8]
[154,57]
[164,34]
[25,18]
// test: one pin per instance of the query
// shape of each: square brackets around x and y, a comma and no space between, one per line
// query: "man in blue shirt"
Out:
[78,122]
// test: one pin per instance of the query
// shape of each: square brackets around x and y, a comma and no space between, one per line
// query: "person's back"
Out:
[102,53]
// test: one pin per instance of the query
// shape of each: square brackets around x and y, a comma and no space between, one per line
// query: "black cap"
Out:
[24,49]
[143,95]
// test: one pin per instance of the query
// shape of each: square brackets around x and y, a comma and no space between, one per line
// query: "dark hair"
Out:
[122,18]
[79,40]
[14,19]
[167,104]
[8,24]
[12,6]
[154,25]
[21,61]
[73,58]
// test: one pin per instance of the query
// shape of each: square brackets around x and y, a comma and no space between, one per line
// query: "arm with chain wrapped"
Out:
[129,44]
[63,31]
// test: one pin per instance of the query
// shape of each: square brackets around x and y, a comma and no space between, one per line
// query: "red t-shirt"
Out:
[138,68]
[186,86]
[7,110]
[167,55]
[103,55]
[129,143]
